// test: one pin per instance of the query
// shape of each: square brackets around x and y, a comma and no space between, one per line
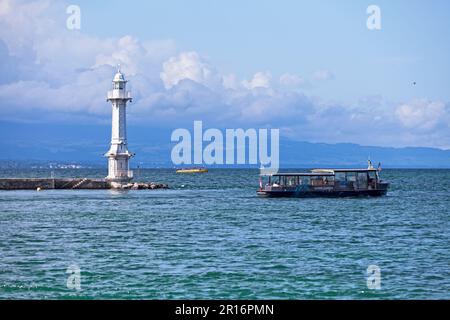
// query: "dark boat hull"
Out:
[316,194]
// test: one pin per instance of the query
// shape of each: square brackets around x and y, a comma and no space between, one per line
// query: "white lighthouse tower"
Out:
[118,154]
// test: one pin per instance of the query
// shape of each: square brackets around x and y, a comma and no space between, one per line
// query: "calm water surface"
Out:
[209,236]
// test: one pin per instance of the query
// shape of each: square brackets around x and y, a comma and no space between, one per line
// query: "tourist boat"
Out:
[192,170]
[324,183]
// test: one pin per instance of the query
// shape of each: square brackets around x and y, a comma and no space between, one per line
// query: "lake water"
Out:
[209,236]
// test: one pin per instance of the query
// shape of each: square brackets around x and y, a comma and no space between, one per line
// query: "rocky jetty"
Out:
[72,183]
[142,185]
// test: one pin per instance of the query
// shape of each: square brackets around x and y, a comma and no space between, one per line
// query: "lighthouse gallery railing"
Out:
[117,94]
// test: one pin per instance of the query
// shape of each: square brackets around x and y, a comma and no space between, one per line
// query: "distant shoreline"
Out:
[283,168]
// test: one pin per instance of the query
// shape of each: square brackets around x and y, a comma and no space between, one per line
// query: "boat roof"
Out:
[302,174]
[344,170]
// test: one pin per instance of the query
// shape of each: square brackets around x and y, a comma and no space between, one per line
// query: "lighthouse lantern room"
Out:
[118,154]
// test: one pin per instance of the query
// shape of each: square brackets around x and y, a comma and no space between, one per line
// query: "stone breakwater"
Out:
[71,183]
[141,185]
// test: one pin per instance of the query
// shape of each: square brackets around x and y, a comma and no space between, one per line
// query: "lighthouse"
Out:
[118,155]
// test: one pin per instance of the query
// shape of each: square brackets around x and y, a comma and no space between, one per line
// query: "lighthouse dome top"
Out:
[119,77]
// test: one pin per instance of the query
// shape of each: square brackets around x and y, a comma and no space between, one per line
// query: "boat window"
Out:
[351,176]
[303,180]
[329,181]
[317,181]
[291,181]
[372,175]
[340,176]
[362,179]
[276,181]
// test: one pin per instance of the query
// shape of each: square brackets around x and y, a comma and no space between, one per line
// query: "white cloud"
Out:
[128,51]
[230,81]
[5,6]
[291,80]
[187,65]
[259,80]
[322,75]
[49,70]
[133,54]
[67,71]
[422,114]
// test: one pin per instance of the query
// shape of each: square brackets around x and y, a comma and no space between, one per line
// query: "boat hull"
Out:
[317,194]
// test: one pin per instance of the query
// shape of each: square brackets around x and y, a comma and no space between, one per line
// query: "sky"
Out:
[311,68]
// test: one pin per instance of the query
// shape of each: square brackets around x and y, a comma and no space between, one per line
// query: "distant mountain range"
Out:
[305,154]
[33,145]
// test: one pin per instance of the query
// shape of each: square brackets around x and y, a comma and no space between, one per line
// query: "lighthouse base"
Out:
[118,183]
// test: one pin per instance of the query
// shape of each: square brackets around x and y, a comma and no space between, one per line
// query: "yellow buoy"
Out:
[193,170]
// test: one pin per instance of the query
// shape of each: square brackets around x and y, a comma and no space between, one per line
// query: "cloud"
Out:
[48,67]
[9,67]
[50,73]
[423,114]
[187,65]
[230,81]
[322,75]
[4,7]
[291,80]
[128,51]
[259,80]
